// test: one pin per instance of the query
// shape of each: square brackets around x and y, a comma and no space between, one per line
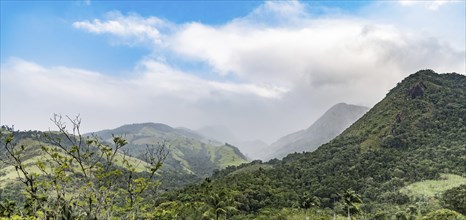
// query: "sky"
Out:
[261,69]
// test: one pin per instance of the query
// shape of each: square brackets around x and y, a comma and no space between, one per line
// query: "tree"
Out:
[13,155]
[401,216]
[443,214]
[455,199]
[220,202]
[82,177]
[352,202]
[7,208]
[309,202]
[412,212]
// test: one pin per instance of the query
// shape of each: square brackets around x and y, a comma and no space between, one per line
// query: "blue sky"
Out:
[42,30]
[260,68]
[45,27]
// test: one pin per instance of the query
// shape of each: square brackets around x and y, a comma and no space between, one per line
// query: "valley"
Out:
[400,159]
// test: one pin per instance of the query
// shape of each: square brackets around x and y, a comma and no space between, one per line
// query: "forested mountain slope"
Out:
[417,132]
[328,126]
[190,153]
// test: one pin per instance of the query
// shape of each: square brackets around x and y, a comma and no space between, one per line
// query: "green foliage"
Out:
[455,199]
[443,214]
[351,202]
[77,177]
[7,208]
[416,133]
[433,188]
[191,157]
[308,201]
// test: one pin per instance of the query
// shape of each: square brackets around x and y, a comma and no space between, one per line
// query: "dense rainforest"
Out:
[416,133]
[404,159]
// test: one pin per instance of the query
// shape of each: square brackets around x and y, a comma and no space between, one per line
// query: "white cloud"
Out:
[152,78]
[282,9]
[162,78]
[294,47]
[288,66]
[316,52]
[132,28]
[431,5]
[277,13]
[37,92]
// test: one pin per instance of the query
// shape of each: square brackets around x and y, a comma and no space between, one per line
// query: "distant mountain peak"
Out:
[336,119]
[341,104]
[157,126]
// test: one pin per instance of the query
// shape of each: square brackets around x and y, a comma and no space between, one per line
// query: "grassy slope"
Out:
[430,191]
[189,153]
[33,154]
[227,156]
[433,188]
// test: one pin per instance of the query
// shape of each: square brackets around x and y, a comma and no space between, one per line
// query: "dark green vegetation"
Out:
[192,157]
[328,126]
[417,132]
[64,175]
[455,199]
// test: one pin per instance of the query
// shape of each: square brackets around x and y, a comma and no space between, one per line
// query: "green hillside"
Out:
[33,154]
[416,133]
[191,156]
[433,188]
[404,159]
[62,175]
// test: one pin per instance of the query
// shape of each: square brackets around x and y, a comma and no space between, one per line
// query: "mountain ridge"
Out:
[416,133]
[190,152]
[333,122]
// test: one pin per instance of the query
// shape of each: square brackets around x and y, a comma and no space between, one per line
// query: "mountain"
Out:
[191,158]
[63,175]
[416,133]
[328,126]
[190,153]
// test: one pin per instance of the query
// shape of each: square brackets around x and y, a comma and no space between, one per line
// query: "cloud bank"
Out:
[275,70]
[130,29]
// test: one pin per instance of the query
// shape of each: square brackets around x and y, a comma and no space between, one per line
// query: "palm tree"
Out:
[335,198]
[352,201]
[220,203]
[309,202]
